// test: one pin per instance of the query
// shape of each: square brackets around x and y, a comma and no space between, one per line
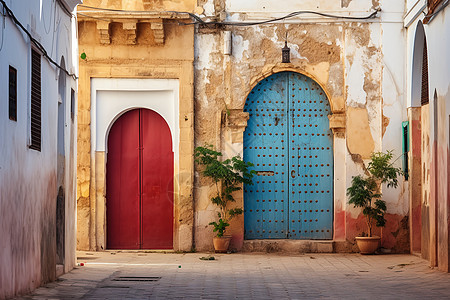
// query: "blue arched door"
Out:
[289,140]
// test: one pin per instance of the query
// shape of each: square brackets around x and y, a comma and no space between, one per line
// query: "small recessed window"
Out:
[35,101]
[405,147]
[12,94]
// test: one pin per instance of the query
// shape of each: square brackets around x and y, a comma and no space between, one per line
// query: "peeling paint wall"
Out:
[363,79]
[28,178]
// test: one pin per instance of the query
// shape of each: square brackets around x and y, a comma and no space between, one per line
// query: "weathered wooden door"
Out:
[289,141]
[139,182]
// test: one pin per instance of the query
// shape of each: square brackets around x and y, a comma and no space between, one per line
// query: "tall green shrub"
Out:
[228,176]
[365,191]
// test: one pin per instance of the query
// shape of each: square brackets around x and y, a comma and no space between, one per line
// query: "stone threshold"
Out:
[297,246]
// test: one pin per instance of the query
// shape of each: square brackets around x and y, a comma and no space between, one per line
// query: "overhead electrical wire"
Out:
[193,16]
[35,42]
[431,16]
[3,14]
[199,21]
[288,16]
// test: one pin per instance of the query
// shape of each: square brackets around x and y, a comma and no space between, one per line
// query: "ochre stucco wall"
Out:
[130,46]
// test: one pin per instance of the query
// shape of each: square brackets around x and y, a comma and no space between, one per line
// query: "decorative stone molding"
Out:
[129,22]
[337,124]
[235,120]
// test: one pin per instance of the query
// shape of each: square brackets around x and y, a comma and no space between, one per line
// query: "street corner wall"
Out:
[345,58]
[149,45]
[28,178]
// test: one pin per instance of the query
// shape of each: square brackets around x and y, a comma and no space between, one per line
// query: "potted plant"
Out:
[365,192]
[228,176]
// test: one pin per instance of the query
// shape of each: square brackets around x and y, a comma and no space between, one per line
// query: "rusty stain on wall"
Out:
[359,136]
[385,124]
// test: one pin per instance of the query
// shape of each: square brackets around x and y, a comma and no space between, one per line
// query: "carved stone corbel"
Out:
[103,30]
[157,26]
[130,29]
[337,124]
[235,120]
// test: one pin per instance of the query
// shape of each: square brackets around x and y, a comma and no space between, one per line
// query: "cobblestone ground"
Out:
[138,275]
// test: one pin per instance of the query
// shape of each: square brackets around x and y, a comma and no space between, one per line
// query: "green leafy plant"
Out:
[228,176]
[365,191]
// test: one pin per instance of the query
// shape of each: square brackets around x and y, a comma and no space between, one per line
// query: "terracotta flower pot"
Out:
[368,244]
[221,244]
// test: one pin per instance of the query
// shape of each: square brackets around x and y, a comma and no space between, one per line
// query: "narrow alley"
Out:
[141,275]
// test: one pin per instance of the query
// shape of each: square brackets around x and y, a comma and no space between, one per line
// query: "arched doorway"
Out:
[289,140]
[139,182]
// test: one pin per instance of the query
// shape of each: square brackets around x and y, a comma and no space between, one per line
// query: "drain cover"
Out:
[135,278]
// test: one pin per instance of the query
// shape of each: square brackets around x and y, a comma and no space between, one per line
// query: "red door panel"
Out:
[140,182]
[122,189]
[157,184]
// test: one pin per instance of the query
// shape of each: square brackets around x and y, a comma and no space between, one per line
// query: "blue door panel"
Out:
[289,141]
[311,159]
[265,144]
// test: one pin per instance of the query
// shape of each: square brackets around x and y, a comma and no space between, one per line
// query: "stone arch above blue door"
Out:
[289,140]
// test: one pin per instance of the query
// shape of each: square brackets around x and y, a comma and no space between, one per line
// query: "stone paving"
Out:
[141,275]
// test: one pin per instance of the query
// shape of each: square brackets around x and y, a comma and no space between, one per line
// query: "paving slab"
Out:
[143,275]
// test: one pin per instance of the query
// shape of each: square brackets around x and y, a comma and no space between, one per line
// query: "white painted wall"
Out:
[271,6]
[113,97]
[28,177]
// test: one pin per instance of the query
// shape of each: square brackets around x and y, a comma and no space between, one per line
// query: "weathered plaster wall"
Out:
[345,58]
[415,179]
[28,186]
[438,43]
[134,46]
[434,142]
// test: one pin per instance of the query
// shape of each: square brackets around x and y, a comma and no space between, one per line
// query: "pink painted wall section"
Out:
[415,180]
[339,225]
[394,236]
[443,208]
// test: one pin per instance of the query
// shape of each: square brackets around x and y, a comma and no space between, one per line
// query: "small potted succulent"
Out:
[228,176]
[365,193]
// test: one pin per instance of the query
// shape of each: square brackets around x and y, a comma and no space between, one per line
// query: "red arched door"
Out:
[139,182]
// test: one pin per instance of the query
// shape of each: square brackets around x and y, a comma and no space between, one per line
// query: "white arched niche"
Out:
[417,60]
[110,98]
